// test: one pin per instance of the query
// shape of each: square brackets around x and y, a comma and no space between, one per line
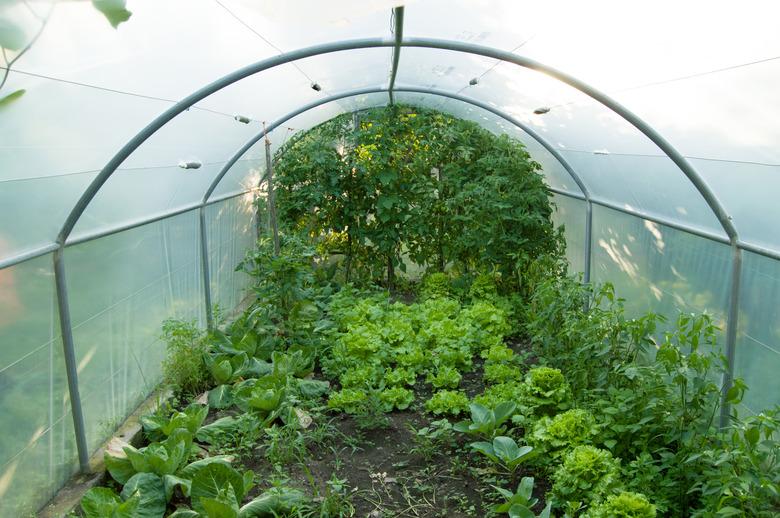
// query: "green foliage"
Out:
[261,397]
[6,100]
[486,422]
[183,367]
[102,502]
[433,439]
[555,435]
[284,444]
[659,410]
[504,451]
[488,318]
[232,435]
[361,377]
[588,475]
[501,373]
[588,344]
[449,402]
[378,346]
[435,285]
[151,493]
[520,503]
[496,394]
[150,475]
[212,482]
[445,377]
[648,401]
[274,503]
[400,376]
[442,190]
[114,11]
[544,393]
[337,500]
[740,470]
[350,401]
[287,308]
[224,504]
[623,505]
[163,458]
[162,424]
[396,398]
[483,287]
[498,354]
[648,474]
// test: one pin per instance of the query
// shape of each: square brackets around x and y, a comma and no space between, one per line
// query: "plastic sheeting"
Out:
[570,214]
[121,288]
[758,353]
[708,84]
[660,269]
[231,232]
[38,450]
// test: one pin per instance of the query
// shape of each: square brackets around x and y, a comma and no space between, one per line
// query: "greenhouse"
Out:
[397,258]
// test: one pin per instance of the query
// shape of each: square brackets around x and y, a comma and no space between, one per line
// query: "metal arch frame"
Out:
[126,150]
[398,31]
[429,91]
[364,91]
[685,166]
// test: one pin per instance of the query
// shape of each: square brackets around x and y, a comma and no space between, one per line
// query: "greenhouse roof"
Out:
[705,77]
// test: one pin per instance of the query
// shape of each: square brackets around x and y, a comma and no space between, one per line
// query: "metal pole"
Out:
[204,264]
[398,30]
[731,334]
[269,167]
[256,201]
[588,239]
[168,261]
[69,354]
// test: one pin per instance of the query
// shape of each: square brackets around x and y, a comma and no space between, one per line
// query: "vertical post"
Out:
[731,333]
[168,261]
[398,31]
[588,239]
[588,247]
[258,227]
[71,368]
[204,264]
[269,166]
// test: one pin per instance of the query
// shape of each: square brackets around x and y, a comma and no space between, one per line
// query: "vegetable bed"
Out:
[497,385]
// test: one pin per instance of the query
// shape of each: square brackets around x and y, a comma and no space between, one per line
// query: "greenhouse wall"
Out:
[669,271]
[569,213]
[121,286]
[38,446]
[232,231]
[758,338]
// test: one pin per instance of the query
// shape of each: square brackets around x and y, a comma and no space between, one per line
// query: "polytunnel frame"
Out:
[62,238]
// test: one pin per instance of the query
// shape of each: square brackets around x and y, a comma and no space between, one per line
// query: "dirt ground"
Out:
[386,472]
